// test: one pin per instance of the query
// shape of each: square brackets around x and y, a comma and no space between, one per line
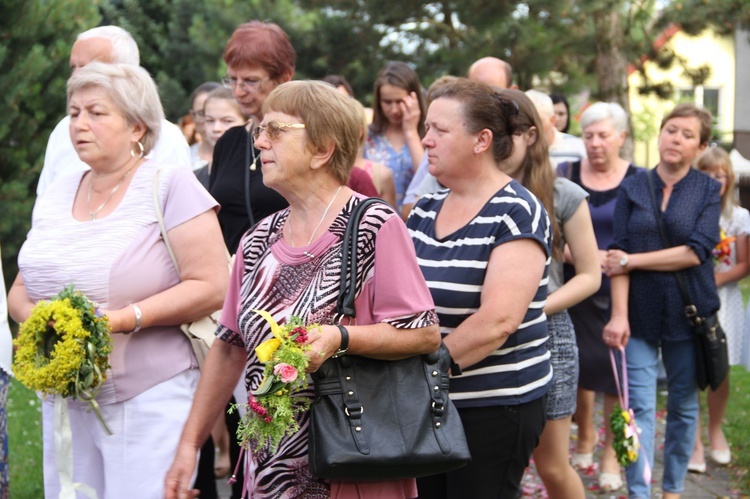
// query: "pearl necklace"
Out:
[325,213]
[94,213]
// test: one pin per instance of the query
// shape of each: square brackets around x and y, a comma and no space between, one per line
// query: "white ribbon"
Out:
[64,453]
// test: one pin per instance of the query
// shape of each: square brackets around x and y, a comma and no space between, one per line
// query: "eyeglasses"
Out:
[246,85]
[273,129]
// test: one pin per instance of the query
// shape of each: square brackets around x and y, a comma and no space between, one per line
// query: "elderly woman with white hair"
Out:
[98,230]
[604,127]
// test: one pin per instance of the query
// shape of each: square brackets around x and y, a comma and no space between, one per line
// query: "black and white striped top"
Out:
[455,267]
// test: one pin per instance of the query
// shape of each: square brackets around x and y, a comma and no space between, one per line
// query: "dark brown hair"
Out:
[482,109]
[400,75]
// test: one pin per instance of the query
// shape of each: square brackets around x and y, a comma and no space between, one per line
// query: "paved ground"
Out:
[716,483]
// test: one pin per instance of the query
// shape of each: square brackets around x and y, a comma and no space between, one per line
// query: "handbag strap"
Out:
[163,227]
[348,279]
[622,390]
[690,309]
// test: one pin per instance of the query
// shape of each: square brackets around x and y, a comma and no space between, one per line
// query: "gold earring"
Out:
[140,146]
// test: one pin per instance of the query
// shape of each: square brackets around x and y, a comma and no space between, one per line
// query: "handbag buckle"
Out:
[692,313]
[357,411]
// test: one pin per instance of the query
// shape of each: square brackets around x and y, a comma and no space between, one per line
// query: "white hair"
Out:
[124,48]
[600,111]
[131,89]
[542,103]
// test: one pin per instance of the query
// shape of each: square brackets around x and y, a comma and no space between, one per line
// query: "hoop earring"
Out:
[140,146]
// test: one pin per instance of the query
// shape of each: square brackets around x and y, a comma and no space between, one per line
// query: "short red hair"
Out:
[257,43]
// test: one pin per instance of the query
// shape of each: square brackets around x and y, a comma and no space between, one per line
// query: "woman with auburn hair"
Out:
[285,265]
[397,125]
[483,244]
[259,57]
[648,312]
[530,165]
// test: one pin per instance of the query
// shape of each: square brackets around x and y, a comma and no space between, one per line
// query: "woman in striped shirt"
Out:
[483,245]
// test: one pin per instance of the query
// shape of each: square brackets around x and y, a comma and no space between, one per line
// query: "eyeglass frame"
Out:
[277,126]
[246,85]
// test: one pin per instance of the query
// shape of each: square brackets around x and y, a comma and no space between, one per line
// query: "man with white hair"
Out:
[114,45]
[563,147]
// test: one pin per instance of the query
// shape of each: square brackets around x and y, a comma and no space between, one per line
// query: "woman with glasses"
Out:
[287,265]
[259,57]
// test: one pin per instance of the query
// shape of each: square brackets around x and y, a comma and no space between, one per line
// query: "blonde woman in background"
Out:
[731,265]
[380,174]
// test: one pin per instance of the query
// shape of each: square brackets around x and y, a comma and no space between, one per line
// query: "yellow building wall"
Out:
[647,111]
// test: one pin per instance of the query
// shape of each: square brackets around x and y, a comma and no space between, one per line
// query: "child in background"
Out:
[220,113]
[731,265]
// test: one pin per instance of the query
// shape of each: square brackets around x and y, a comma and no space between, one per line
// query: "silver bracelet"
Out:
[138,315]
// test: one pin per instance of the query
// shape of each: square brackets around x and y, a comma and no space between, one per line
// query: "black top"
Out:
[227,186]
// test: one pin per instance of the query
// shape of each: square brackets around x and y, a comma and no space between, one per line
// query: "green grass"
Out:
[24,442]
[25,436]
[737,427]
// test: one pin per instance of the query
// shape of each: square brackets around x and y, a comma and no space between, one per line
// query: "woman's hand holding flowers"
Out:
[323,341]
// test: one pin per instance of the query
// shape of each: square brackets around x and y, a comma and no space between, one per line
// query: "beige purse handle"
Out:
[163,227]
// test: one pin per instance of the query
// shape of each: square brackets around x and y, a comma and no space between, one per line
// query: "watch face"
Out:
[623,262]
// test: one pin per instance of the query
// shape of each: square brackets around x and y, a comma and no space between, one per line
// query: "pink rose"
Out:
[285,372]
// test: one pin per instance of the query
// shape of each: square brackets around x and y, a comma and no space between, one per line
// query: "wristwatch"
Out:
[344,342]
[624,261]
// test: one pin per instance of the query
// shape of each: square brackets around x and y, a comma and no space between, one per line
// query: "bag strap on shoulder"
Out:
[348,282]
[691,310]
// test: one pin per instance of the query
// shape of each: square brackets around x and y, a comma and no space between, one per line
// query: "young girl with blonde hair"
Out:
[731,265]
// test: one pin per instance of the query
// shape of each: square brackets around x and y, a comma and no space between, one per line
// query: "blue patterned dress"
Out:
[379,149]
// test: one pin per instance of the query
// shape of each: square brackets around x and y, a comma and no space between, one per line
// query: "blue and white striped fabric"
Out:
[455,267]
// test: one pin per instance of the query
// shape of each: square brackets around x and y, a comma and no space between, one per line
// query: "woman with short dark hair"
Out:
[648,311]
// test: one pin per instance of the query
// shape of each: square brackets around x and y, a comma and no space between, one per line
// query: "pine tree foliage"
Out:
[35,41]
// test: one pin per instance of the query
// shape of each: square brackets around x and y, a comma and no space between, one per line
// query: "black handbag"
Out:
[380,420]
[711,352]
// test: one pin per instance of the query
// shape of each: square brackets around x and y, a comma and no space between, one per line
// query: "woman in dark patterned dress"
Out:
[604,127]
[289,264]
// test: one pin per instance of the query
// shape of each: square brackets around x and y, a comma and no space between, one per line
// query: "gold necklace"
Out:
[325,213]
[94,213]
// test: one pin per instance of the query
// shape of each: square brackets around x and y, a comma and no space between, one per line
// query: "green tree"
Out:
[35,46]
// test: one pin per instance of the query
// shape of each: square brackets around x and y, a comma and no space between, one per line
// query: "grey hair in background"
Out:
[131,89]
[124,48]
[542,103]
[600,111]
